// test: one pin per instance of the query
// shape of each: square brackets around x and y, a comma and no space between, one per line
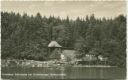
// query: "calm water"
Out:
[65,73]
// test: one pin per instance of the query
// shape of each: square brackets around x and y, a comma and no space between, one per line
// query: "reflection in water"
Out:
[67,72]
[62,72]
[101,73]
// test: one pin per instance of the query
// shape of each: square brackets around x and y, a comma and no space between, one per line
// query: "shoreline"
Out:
[47,64]
[91,66]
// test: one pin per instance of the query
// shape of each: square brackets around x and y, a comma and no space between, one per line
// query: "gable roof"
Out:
[69,53]
[54,44]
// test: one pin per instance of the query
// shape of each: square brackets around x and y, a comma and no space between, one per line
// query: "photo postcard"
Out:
[69,40]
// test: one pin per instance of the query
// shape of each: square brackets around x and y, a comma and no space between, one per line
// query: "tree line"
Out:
[27,37]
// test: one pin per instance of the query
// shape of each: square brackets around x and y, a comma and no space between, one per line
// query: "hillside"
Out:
[27,37]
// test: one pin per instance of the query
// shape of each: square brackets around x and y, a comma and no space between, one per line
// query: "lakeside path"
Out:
[104,66]
[32,63]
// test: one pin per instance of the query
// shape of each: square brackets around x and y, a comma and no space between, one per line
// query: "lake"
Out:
[63,73]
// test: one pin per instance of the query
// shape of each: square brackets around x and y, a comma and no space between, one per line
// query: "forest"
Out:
[27,36]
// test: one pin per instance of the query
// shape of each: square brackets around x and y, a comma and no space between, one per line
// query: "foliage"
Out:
[27,37]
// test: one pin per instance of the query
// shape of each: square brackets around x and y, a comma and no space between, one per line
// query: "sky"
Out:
[73,9]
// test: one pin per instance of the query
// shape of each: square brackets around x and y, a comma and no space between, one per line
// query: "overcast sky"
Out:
[63,8]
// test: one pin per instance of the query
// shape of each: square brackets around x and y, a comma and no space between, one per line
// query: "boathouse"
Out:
[58,52]
[55,50]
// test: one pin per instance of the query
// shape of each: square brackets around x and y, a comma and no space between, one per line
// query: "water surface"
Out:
[65,73]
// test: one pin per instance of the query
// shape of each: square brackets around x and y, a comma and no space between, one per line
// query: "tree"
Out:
[27,37]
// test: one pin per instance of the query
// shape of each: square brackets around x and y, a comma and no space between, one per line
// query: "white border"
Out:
[73,0]
[64,0]
[127,38]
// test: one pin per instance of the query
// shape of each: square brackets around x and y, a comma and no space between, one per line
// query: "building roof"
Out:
[69,53]
[54,44]
[89,58]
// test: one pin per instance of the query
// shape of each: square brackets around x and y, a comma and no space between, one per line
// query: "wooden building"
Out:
[54,50]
